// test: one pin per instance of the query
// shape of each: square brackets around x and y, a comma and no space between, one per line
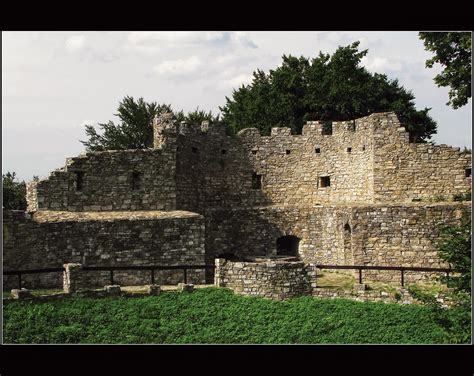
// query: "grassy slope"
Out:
[213,315]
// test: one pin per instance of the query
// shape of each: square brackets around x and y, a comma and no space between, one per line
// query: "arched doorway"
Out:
[288,245]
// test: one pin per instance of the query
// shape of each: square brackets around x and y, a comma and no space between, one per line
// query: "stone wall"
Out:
[404,172]
[390,235]
[49,239]
[292,165]
[269,279]
[110,180]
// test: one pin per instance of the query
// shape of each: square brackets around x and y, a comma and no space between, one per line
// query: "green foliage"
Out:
[14,192]
[213,315]
[454,247]
[466,150]
[135,131]
[439,198]
[453,51]
[325,88]
[462,196]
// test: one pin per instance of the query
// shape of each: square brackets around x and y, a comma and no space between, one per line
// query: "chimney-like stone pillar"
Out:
[72,278]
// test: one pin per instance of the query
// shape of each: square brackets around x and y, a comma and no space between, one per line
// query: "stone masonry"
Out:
[360,194]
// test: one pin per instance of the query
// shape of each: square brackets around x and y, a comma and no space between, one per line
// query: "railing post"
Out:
[152,276]
[360,275]
[19,281]
[185,275]
[111,276]
[403,279]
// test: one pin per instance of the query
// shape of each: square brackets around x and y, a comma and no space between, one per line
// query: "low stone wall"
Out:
[49,239]
[270,279]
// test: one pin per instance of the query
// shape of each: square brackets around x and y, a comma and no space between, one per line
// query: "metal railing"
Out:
[402,269]
[111,269]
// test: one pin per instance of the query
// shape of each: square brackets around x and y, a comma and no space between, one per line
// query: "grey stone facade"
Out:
[361,195]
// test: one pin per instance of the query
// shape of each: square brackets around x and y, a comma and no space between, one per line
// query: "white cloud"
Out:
[151,41]
[179,66]
[75,43]
[381,64]
[237,81]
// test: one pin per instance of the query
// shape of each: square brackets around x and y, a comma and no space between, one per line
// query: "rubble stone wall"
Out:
[51,239]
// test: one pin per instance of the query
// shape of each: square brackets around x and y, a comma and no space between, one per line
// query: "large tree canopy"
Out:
[325,88]
[134,131]
[453,51]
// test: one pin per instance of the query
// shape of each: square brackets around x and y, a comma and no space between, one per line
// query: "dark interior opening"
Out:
[79,180]
[254,151]
[256,181]
[324,181]
[327,128]
[349,150]
[195,150]
[223,151]
[288,152]
[288,245]
[136,180]
[468,172]
[317,150]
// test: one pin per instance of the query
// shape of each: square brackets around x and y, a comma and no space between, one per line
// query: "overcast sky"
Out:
[55,82]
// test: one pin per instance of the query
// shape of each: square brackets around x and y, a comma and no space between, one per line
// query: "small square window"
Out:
[317,150]
[136,180]
[468,172]
[223,151]
[288,152]
[349,150]
[363,148]
[254,151]
[195,150]
[324,181]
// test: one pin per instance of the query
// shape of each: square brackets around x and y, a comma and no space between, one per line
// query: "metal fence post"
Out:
[111,276]
[360,275]
[152,276]
[185,275]
[403,279]
[19,281]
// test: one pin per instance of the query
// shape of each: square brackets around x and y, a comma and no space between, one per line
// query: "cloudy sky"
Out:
[55,82]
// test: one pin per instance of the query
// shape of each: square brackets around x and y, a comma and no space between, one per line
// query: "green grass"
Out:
[212,315]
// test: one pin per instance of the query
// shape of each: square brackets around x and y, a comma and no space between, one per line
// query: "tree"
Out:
[453,51]
[134,131]
[325,88]
[454,248]
[14,192]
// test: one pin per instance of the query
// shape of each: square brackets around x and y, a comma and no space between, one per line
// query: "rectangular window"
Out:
[288,152]
[317,150]
[194,149]
[468,172]
[79,180]
[223,151]
[256,181]
[136,180]
[349,150]
[327,128]
[324,181]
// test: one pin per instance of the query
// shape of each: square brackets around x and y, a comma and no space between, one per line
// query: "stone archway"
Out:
[288,245]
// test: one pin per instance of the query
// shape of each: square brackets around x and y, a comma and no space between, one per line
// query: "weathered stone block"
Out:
[186,287]
[21,294]
[153,289]
[113,290]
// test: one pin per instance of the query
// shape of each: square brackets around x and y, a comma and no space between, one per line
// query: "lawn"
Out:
[213,315]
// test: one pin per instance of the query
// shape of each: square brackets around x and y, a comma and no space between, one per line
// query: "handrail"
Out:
[402,269]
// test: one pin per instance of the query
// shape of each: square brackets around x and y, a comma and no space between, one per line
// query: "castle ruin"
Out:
[347,193]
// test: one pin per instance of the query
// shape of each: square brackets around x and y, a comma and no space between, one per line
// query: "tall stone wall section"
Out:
[213,170]
[49,239]
[110,180]
[292,165]
[406,172]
